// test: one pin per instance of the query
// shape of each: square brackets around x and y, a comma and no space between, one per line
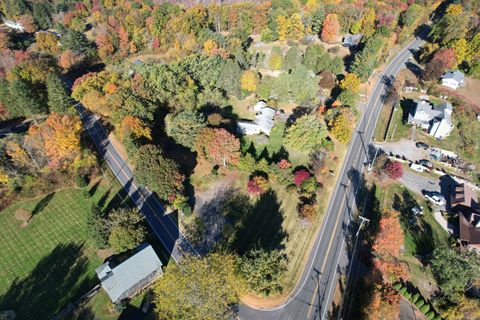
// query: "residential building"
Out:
[436,120]
[14,25]
[263,123]
[464,201]
[351,40]
[132,275]
[453,79]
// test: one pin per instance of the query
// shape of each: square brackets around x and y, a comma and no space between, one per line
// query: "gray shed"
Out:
[129,277]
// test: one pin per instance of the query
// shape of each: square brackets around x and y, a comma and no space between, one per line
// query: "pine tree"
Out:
[26,102]
[58,99]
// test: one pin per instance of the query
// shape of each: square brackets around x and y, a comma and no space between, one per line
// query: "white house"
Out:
[437,120]
[264,120]
[129,277]
[453,79]
[14,25]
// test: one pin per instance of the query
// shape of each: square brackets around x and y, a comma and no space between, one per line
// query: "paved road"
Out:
[312,297]
[164,226]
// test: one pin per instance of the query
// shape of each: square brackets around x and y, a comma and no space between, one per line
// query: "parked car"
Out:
[436,198]
[426,163]
[422,145]
[417,210]
[417,167]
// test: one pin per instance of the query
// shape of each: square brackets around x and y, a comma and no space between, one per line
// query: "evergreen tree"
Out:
[25,101]
[58,99]
[184,127]
[318,17]
[292,58]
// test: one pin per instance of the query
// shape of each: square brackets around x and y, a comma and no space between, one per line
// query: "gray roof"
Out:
[352,39]
[127,278]
[424,107]
[458,76]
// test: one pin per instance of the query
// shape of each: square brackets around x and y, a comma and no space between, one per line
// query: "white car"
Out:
[435,198]
[417,210]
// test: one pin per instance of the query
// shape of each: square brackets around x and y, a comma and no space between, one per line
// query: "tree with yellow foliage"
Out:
[283,25]
[3,177]
[454,9]
[58,138]
[18,155]
[460,47]
[210,47]
[249,81]
[466,308]
[136,127]
[297,28]
[350,82]
[368,23]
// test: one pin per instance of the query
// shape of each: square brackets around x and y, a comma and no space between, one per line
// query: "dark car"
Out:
[422,145]
[426,163]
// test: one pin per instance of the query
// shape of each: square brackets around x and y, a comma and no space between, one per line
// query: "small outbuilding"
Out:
[351,40]
[132,275]
[453,79]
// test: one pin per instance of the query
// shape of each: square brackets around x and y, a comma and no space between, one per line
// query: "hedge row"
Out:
[418,301]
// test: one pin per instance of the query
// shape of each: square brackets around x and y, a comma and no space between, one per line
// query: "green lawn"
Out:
[421,238]
[51,261]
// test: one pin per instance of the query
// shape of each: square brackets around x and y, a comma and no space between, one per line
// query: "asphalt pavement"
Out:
[312,297]
[164,226]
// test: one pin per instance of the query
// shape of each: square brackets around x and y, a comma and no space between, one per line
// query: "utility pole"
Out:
[370,164]
[363,220]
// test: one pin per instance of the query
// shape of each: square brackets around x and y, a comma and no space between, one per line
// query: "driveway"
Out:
[405,148]
[417,182]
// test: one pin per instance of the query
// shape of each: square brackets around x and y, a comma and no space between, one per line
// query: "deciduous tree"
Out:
[218,146]
[160,174]
[305,134]
[206,288]
[350,82]
[331,28]
[263,271]
[394,169]
[249,81]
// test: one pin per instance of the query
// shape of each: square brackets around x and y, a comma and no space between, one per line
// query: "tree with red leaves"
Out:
[218,146]
[331,28]
[257,185]
[442,60]
[300,176]
[394,169]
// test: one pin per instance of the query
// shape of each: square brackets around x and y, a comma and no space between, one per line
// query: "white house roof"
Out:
[457,76]
[437,119]
[352,39]
[131,275]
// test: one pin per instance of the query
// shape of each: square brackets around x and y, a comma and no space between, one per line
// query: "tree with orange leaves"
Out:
[331,28]
[135,127]
[218,146]
[58,138]
[387,249]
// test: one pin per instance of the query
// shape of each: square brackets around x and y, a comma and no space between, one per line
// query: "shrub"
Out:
[309,186]
[80,180]
[402,291]
[437,317]
[247,163]
[257,185]
[430,315]
[300,176]
[397,286]
[425,308]
[419,303]
[408,296]
[307,211]
[415,297]
[394,169]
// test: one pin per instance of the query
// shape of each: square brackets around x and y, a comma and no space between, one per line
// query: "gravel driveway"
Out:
[405,148]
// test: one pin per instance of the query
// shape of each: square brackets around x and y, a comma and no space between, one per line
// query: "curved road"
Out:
[312,297]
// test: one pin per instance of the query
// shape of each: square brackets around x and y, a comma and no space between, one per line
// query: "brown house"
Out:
[464,201]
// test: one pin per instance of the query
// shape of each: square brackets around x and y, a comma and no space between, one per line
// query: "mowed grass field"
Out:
[51,261]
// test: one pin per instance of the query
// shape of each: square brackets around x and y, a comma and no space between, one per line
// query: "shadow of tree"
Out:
[42,204]
[56,279]
[418,229]
[260,226]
